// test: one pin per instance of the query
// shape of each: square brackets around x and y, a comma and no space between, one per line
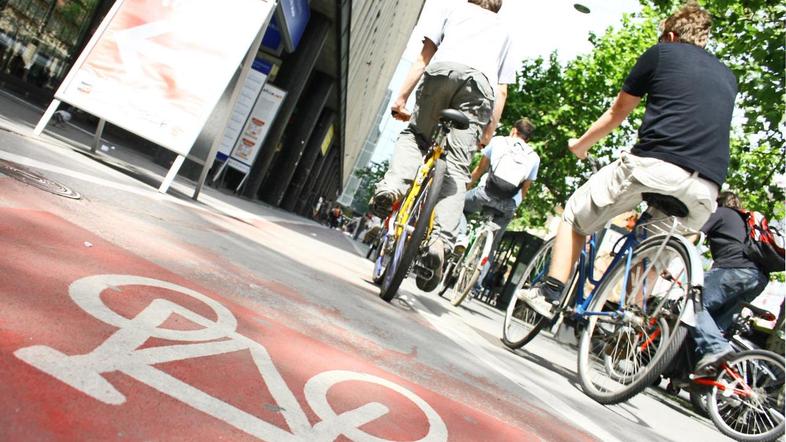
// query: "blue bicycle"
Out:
[629,317]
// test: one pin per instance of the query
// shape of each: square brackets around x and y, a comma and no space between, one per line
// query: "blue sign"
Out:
[272,37]
[293,16]
[262,65]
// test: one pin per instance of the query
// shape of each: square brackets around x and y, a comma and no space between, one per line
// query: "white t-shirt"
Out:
[513,157]
[468,34]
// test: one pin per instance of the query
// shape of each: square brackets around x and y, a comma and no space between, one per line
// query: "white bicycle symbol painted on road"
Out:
[121,353]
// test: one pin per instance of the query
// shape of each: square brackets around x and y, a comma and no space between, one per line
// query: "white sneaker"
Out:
[536,301]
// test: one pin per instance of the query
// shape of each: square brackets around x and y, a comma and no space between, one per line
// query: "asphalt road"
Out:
[128,314]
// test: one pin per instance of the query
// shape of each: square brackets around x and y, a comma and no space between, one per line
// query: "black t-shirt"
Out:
[725,231]
[690,100]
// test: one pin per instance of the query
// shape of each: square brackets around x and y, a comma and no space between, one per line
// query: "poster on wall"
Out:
[158,67]
[256,129]
[245,102]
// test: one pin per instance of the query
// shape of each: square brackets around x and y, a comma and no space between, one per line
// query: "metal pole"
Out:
[97,137]
[39,128]
[170,176]
[211,157]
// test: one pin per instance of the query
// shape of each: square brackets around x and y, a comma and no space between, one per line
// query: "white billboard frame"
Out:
[209,99]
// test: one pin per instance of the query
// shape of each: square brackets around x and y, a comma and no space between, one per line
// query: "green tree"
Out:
[564,99]
[369,176]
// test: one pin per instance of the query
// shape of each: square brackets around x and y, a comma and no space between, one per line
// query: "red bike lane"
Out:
[98,343]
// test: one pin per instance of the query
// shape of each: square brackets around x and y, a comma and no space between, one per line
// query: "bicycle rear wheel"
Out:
[624,348]
[413,234]
[522,323]
[470,267]
[749,406]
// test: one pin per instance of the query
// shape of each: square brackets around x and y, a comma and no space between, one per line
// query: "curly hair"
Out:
[491,5]
[691,24]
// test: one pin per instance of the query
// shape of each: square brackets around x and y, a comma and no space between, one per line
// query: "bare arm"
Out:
[398,109]
[622,107]
[480,169]
[525,188]
[499,106]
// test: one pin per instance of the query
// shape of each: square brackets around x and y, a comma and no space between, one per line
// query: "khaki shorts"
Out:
[617,188]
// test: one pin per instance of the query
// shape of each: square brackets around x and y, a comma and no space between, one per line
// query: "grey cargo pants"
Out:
[445,85]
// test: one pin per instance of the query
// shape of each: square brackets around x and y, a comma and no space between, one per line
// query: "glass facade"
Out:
[39,38]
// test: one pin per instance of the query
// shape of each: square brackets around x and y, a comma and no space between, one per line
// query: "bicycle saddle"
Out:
[666,203]
[457,118]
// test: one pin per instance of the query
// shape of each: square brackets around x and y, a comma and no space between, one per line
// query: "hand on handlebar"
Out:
[399,110]
[573,146]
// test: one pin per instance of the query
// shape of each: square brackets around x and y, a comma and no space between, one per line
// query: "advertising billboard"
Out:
[158,67]
[256,129]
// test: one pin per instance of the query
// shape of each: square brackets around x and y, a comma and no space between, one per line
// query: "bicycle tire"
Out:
[723,409]
[698,399]
[471,268]
[373,251]
[529,318]
[380,260]
[667,347]
[449,280]
[407,245]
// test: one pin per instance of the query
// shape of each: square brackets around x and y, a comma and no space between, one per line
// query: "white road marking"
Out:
[121,353]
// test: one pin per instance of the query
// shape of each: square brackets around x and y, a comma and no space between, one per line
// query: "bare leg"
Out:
[565,252]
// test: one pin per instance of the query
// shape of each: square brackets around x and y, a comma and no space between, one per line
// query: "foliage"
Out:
[563,100]
[749,38]
[369,175]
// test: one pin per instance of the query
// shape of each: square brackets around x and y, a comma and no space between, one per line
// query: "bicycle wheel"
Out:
[470,266]
[413,234]
[624,348]
[449,278]
[380,258]
[522,323]
[749,405]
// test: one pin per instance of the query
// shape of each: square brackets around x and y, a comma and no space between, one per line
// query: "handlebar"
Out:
[594,163]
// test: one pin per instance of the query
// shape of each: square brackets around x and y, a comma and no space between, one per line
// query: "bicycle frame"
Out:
[587,272]
[402,218]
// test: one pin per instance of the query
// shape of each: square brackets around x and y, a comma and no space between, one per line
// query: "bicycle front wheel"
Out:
[522,323]
[470,267]
[630,338]
[413,233]
[747,402]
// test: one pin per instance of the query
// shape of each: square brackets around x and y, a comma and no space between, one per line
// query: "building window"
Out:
[38,38]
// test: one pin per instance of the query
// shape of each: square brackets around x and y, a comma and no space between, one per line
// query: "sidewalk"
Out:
[20,117]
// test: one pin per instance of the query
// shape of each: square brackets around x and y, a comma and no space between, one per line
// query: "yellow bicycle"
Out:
[414,221]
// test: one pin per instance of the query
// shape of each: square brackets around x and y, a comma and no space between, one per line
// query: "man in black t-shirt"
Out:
[682,151]
[733,279]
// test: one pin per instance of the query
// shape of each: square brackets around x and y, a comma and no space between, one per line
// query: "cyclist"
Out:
[466,64]
[733,279]
[682,150]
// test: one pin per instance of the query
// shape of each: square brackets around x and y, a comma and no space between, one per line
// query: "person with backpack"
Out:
[733,279]
[512,166]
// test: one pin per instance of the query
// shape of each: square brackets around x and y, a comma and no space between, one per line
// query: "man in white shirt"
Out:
[466,64]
